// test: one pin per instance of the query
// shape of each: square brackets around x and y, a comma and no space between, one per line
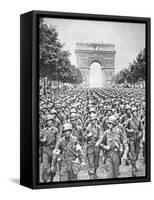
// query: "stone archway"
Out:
[95,71]
[102,53]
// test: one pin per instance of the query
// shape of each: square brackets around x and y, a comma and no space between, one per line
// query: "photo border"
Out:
[35,97]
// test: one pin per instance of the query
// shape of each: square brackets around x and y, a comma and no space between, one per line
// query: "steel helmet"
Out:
[134,109]
[109,108]
[112,120]
[50,117]
[73,110]
[100,105]
[53,111]
[92,110]
[93,116]
[122,106]
[67,126]
[73,116]
[127,107]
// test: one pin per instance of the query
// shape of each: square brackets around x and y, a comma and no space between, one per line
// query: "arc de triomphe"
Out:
[104,54]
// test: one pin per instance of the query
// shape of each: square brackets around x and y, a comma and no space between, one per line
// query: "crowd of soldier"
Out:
[76,125]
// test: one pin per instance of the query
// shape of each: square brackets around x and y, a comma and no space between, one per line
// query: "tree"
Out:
[50,48]
[55,62]
[135,71]
[138,66]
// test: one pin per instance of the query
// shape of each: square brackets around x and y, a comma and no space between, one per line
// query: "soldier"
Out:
[73,111]
[117,107]
[127,115]
[122,109]
[107,115]
[70,153]
[115,145]
[91,112]
[93,139]
[48,139]
[60,115]
[134,131]
[76,129]
[57,122]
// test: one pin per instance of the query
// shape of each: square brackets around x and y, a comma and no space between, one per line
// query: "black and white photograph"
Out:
[92,100]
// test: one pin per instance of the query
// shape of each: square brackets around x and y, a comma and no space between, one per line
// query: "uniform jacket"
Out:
[134,128]
[68,149]
[116,139]
[96,134]
[49,136]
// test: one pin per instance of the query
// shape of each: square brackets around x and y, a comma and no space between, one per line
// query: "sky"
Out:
[128,38]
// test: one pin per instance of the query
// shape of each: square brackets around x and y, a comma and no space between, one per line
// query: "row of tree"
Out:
[135,72]
[55,65]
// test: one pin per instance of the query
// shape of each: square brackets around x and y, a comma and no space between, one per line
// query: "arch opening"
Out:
[95,77]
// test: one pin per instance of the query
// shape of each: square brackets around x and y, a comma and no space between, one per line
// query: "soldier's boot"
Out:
[51,179]
[127,162]
[52,174]
[75,177]
[133,171]
[135,168]
[91,176]
[95,175]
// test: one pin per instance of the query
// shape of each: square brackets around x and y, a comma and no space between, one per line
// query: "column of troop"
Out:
[82,130]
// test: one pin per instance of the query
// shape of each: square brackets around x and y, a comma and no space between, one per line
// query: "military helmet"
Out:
[117,103]
[93,117]
[127,107]
[104,107]
[121,106]
[73,116]
[143,105]
[67,126]
[92,110]
[58,106]
[126,102]
[134,109]
[100,105]
[73,110]
[112,120]
[53,111]
[50,117]
[109,108]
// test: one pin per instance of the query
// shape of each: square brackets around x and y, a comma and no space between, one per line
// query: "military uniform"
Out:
[58,124]
[68,154]
[48,139]
[134,131]
[93,135]
[77,131]
[104,123]
[118,143]
[124,118]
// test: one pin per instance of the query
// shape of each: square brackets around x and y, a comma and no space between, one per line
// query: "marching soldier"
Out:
[76,129]
[48,139]
[57,122]
[115,145]
[127,115]
[70,153]
[93,139]
[107,115]
[73,111]
[89,112]
[134,130]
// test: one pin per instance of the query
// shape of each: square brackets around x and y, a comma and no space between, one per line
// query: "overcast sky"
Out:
[129,38]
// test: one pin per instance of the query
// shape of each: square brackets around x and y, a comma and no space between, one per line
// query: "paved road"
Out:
[125,171]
